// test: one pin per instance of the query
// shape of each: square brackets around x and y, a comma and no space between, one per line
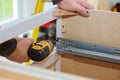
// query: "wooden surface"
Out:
[89,68]
[101,27]
[9,75]
[61,12]
[15,71]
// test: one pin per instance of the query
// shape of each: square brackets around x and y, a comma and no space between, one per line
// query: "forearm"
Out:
[56,1]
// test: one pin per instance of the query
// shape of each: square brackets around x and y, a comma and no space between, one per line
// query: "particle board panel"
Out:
[89,68]
[102,27]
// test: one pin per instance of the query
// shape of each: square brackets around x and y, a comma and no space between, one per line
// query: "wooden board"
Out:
[15,71]
[9,75]
[89,68]
[102,27]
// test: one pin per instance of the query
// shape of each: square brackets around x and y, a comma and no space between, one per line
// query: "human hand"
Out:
[20,54]
[80,6]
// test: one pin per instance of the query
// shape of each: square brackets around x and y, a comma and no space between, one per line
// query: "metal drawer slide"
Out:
[84,49]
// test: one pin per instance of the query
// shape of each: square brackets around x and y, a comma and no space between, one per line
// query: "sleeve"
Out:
[56,1]
[8,47]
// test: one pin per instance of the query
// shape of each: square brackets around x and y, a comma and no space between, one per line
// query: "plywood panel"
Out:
[90,68]
[102,27]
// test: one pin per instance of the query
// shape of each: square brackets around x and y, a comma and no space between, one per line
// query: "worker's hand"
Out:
[20,54]
[80,6]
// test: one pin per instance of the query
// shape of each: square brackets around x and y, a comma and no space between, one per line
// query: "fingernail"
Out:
[87,12]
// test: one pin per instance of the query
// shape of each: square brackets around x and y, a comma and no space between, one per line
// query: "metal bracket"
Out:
[84,49]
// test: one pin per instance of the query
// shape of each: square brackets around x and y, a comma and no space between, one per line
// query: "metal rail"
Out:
[84,49]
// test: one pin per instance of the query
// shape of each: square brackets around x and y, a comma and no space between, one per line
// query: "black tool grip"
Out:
[38,55]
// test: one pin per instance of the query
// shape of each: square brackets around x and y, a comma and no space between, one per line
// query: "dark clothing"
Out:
[8,47]
[56,1]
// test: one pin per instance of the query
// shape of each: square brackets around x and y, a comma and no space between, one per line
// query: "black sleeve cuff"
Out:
[8,47]
[56,1]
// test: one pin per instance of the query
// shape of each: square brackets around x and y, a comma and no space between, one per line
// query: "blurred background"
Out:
[18,9]
[13,10]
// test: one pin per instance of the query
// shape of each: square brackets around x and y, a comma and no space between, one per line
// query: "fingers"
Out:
[82,7]
[81,10]
[86,5]
[25,42]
